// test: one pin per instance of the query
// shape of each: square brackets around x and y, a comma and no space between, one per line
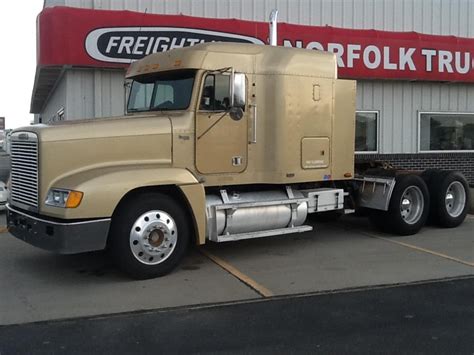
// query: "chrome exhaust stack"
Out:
[273,32]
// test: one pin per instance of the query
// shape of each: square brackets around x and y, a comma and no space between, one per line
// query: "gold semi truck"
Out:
[221,142]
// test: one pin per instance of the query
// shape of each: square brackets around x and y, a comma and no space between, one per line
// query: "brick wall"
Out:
[463,162]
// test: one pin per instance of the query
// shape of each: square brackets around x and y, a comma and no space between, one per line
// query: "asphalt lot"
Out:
[40,286]
[431,318]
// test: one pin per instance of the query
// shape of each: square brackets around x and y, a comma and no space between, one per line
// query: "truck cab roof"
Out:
[244,58]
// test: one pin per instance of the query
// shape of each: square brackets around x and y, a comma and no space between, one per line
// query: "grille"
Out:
[24,169]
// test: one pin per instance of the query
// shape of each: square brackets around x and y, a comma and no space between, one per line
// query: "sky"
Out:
[17,59]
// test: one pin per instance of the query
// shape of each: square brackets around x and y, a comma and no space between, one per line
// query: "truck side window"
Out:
[207,99]
[215,93]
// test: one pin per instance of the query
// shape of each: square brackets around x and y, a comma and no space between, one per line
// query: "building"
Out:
[413,60]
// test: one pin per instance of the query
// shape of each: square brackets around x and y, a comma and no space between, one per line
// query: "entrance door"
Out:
[221,137]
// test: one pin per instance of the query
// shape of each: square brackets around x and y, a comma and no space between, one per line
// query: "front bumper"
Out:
[58,236]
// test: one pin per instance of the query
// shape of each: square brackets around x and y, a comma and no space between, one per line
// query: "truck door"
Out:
[221,130]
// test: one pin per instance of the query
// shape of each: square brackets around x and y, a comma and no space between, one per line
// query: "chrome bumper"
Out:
[58,236]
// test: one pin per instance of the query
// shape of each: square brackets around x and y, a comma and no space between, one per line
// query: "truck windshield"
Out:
[164,91]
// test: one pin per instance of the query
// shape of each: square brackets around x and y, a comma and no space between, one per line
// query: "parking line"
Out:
[263,291]
[411,246]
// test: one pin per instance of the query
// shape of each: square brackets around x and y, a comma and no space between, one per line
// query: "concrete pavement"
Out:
[38,286]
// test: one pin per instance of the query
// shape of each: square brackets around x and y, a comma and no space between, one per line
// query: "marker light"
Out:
[74,199]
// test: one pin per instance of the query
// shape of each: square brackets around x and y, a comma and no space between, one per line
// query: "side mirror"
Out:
[237,89]
[236,113]
[232,87]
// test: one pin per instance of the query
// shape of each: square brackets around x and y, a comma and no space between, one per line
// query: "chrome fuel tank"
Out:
[252,212]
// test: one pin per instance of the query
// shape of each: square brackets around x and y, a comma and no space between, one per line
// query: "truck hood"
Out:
[75,147]
[87,129]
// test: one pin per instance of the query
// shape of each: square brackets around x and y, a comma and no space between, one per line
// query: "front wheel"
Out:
[149,236]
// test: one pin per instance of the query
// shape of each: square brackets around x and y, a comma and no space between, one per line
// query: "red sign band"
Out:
[99,38]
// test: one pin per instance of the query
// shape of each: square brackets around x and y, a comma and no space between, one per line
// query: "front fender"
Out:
[104,188]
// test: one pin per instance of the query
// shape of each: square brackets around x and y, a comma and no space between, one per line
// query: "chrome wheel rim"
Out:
[455,199]
[153,237]
[412,204]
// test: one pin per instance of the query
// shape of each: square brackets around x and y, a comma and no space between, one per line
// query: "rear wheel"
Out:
[408,207]
[149,236]
[450,198]
[428,176]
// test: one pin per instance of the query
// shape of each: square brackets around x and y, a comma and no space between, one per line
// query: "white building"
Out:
[416,107]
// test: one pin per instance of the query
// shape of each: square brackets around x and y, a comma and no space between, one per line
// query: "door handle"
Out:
[253,140]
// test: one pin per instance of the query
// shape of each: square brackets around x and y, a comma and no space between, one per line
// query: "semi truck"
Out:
[221,142]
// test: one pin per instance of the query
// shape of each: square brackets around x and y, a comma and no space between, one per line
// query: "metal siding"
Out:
[109,93]
[94,93]
[408,123]
[80,97]
[427,16]
[416,97]
[470,11]
[397,118]
[387,119]
[56,101]
[463,98]
[398,102]
[470,99]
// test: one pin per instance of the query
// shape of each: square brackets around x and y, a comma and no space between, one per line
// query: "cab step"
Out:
[261,234]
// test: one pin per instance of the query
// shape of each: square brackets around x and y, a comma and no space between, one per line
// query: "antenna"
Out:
[139,31]
[126,83]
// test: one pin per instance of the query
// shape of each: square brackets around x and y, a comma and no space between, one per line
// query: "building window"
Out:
[443,131]
[366,131]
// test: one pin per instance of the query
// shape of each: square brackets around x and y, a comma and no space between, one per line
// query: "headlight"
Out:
[64,198]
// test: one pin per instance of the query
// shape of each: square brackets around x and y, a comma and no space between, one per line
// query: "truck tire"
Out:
[450,198]
[408,208]
[428,175]
[149,236]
